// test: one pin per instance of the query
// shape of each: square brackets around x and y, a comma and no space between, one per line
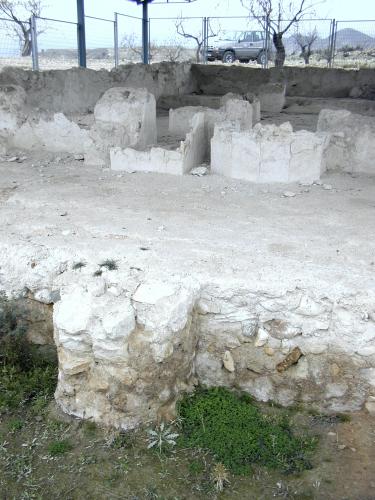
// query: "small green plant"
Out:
[220,476]
[59,447]
[98,273]
[196,467]
[77,266]
[237,433]
[15,425]
[161,437]
[119,440]
[109,264]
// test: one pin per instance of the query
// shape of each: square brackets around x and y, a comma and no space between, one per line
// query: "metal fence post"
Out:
[81,33]
[34,43]
[149,40]
[333,44]
[145,46]
[205,39]
[267,42]
[116,44]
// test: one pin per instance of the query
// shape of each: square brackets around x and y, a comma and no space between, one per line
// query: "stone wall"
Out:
[351,147]
[125,357]
[190,154]
[267,153]
[78,90]
[312,82]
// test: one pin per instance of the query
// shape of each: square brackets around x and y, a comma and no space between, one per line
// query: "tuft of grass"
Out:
[196,467]
[59,447]
[77,266]
[97,273]
[238,435]
[15,425]
[109,264]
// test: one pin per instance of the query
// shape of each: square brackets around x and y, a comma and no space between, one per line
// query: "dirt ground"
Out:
[94,463]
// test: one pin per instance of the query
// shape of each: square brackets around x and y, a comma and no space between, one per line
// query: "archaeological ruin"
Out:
[222,218]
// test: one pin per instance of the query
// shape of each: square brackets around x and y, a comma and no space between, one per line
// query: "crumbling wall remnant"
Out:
[351,147]
[125,358]
[267,153]
[191,153]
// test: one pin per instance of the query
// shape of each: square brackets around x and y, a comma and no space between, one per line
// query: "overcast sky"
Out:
[66,9]
[100,34]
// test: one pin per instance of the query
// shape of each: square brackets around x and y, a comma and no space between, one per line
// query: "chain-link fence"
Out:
[176,39]
[15,47]
[57,46]
[354,44]
[129,39]
[45,43]
[100,42]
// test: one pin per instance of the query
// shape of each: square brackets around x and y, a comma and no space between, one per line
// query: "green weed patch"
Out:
[238,434]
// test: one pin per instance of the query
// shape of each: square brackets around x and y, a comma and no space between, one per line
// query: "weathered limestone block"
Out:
[249,97]
[57,134]
[123,362]
[180,119]
[351,147]
[12,109]
[190,154]
[126,117]
[232,109]
[272,97]
[267,153]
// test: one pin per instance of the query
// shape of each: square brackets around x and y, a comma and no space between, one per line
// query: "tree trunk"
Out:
[306,55]
[280,49]
[25,40]
[198,53]
[26,49]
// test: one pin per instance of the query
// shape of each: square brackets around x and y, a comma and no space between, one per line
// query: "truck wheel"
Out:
[229,57]
[262,59]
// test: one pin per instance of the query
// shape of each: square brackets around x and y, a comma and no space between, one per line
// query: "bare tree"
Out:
[168,50]
[172,50]
[16,11]
[197,37]
[305,43]
[278,16]
[133,45]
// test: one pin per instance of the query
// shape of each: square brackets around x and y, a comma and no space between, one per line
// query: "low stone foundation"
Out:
[126,356]
[267,153]
[190,154]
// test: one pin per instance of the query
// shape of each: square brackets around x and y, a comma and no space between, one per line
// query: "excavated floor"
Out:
[211,227]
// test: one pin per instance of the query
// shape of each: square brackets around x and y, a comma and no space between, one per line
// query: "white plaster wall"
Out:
[190,154]
[267,153]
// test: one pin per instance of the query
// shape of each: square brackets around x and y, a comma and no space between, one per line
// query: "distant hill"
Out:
[354,38]
[344,37]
